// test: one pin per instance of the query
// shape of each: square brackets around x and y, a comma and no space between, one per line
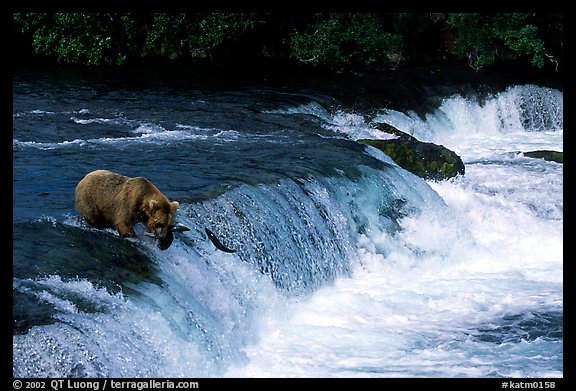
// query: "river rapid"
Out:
[346,265]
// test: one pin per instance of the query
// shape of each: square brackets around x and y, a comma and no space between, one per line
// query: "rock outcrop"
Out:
[553,156]
[427,160]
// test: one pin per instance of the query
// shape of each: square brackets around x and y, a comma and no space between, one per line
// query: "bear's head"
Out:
[161,216]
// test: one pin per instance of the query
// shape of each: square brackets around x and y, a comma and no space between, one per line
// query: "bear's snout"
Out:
[164,243]
[161,232]
[164,236]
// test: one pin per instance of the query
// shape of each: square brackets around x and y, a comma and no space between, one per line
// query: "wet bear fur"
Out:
[107,199]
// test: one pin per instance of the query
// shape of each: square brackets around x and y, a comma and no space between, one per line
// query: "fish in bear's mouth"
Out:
[165,242]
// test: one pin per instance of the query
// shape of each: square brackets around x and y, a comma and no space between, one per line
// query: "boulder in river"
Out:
[553,156]
[427,160]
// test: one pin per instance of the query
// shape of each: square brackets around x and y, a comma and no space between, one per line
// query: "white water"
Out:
[414,303]
[498,251]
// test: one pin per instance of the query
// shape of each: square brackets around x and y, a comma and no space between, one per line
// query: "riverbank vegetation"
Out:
[327,41]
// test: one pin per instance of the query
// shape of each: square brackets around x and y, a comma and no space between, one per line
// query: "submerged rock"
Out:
[49,254]
[427,160]
[553,156]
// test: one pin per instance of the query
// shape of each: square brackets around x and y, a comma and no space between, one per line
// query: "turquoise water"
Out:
[347,265]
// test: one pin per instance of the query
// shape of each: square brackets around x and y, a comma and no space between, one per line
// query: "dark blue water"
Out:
[274,171]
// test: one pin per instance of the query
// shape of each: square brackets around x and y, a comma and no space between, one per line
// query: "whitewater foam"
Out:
[367,273]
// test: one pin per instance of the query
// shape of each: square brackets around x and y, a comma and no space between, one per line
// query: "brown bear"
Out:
[106,199]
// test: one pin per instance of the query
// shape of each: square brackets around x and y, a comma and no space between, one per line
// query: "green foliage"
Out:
[217,28]
[193,35]
[167,34]
[84,38]
[334,41]
[340,40]
[485,38]
[110,39]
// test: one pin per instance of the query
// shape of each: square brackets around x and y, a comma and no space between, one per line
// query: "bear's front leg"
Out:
[126,231]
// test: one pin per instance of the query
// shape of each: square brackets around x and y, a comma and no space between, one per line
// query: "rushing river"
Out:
[346,264]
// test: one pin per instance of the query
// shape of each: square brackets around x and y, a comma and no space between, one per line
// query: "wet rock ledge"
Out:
[553,156]
[427,160]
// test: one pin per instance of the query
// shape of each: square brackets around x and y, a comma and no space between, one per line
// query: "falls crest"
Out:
[303,232]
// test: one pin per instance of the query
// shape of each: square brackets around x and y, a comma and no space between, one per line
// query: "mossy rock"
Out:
[427,160]
[553,156]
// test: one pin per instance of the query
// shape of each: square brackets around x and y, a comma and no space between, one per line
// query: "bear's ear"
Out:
[175,204]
